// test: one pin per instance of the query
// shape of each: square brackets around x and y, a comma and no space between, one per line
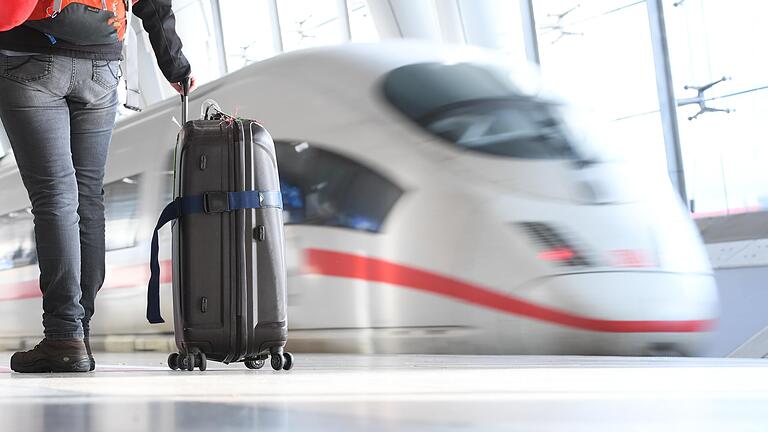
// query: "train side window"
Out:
[121,200]
[323,188]
[17,239]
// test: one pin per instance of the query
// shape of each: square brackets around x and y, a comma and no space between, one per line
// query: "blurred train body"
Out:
[436,201]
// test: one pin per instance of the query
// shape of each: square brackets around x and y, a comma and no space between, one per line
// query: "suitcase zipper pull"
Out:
[203,162]
[204,305]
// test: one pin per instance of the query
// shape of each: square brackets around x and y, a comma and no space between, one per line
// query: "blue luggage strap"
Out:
[207,203]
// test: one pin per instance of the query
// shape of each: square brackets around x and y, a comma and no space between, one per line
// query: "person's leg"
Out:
[92,118]
[36,117]
[92,106]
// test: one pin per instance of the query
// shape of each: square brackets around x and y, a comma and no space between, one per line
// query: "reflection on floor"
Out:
[137,393]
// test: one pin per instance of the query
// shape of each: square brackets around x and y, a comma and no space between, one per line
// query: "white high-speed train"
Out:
[437,200]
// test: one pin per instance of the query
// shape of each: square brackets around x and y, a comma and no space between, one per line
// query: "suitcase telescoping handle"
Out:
[184,100]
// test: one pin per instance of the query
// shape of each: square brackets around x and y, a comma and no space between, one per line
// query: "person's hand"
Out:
[192,85]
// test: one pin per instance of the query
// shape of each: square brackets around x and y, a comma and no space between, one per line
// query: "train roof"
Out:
[347,68]
[368,59]
[349,72]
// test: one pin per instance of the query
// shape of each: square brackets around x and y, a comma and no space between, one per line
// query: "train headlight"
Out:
[553,245]
[632,258]
[562,254]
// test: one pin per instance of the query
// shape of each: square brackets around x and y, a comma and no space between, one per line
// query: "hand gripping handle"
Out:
[184,100]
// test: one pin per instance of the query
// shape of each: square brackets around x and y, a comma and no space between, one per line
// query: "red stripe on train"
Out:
[120,277]
[330,263]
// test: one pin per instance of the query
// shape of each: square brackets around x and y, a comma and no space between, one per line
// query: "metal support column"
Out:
[529,31]
[667,103]
[219,29]
[343,10]
[277,35]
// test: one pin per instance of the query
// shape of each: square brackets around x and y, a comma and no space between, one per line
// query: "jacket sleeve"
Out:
[159,21]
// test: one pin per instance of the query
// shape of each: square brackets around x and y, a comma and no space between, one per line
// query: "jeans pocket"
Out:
[26,68]
[106,73]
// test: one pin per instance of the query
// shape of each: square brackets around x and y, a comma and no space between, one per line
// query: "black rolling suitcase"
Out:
[229,294]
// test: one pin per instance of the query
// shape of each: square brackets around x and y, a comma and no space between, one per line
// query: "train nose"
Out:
[628,312]
[632,301]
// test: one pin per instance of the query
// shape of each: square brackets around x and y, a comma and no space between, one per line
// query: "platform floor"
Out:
[135,392]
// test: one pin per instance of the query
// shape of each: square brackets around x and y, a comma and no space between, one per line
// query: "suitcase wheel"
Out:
[254,364]
[282,360]
[202,361]
[277,361]
[288,361]
[188,362]
[173,361]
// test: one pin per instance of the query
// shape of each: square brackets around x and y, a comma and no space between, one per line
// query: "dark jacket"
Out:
[158,20]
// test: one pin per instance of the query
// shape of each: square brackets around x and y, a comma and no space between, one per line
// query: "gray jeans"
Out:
[59,113]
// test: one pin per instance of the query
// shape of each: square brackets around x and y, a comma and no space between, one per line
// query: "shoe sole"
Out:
[48,366]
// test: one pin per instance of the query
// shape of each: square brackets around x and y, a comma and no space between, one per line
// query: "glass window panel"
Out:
[121,212]
[724,153]
[361,22]
[638,140]
[725,156]
[194,24]
[307,23]
[17,240]
[326,189]
[710,39]
[509,28]
[600,53]
[247,30]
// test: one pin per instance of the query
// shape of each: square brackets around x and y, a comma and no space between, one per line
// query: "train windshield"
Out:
[480,108]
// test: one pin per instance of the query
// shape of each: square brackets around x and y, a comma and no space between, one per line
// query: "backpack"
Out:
[82,22]
[15,13]
[91,22]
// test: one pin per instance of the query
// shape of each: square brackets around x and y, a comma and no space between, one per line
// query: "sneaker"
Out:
[90,354]
[53,356]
